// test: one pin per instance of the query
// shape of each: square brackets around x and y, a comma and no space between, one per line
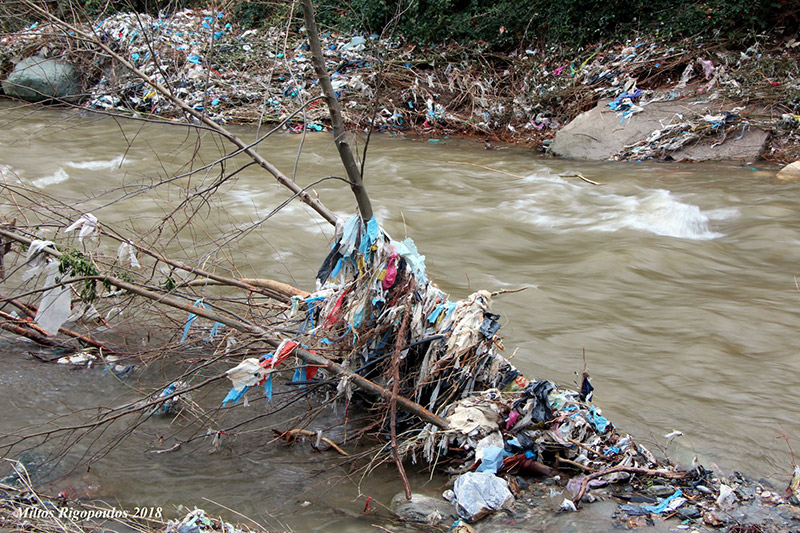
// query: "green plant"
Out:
[75,263]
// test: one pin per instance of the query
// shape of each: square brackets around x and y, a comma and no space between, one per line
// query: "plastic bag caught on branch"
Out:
[56,303]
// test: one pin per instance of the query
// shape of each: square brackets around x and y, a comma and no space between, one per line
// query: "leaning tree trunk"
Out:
[339,132]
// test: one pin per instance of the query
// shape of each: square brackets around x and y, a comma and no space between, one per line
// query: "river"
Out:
[676,281]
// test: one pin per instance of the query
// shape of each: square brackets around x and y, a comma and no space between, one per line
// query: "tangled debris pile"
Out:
[374,303]
[237,75]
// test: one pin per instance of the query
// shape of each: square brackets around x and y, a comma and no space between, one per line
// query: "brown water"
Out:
[676,280]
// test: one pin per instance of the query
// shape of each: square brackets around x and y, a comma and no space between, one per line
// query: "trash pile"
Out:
[688,128]
[641,72]
[374,303]
[265,74]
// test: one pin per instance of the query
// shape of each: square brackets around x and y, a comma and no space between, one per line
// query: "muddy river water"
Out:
[678,282]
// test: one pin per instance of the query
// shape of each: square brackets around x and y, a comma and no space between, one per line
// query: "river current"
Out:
[676,283]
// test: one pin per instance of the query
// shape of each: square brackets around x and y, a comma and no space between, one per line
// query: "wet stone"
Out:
[423,508]
[662,491]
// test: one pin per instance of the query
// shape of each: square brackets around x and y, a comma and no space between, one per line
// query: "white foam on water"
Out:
[560,205]
[58,176]
[97,165]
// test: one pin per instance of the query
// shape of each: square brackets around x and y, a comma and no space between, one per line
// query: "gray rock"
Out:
[37,79]
[661,490]
[598,134]
[422,508]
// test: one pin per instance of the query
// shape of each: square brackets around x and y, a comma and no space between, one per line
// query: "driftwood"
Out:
[262,283]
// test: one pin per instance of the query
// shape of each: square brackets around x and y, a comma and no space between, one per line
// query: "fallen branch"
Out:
[31,335]
[30,311]
[508,291]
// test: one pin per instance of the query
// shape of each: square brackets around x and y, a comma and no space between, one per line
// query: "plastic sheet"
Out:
[480,493]
[56,303]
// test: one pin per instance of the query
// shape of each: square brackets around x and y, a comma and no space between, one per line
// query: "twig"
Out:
[292,433]
[508,291]
[581,176]
[585,447]
[487,168]
[564,460]
[400,340]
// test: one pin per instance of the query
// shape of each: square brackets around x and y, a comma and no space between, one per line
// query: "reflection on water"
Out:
[677,281]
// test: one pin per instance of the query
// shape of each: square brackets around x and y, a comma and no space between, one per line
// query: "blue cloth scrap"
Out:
[492,459]
[358,317]
[612,451]
[235,395]
[371,232]
[408,250]
[299,375]
[268,388]
[664,505]
[189,322]
[435,314]
[600,422]
[214,330]
[192,318]
[349,235]
[311,307]
[337,268]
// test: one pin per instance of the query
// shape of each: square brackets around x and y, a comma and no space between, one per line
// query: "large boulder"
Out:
[790,172]
[37,79]
[602,134]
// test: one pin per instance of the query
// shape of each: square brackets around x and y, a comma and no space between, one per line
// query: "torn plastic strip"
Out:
[87,223]
[328,341]
[235,395]
[310,309]
[193,317]
[600,422]
[370,236]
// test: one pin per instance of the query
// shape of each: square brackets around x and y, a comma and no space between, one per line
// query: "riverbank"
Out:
[718,94]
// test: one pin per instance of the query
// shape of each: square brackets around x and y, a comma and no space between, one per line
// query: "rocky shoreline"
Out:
[642,99]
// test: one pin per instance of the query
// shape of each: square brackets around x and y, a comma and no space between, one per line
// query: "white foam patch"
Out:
[8,172]
[562,206]
[97,165]
[58,176]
